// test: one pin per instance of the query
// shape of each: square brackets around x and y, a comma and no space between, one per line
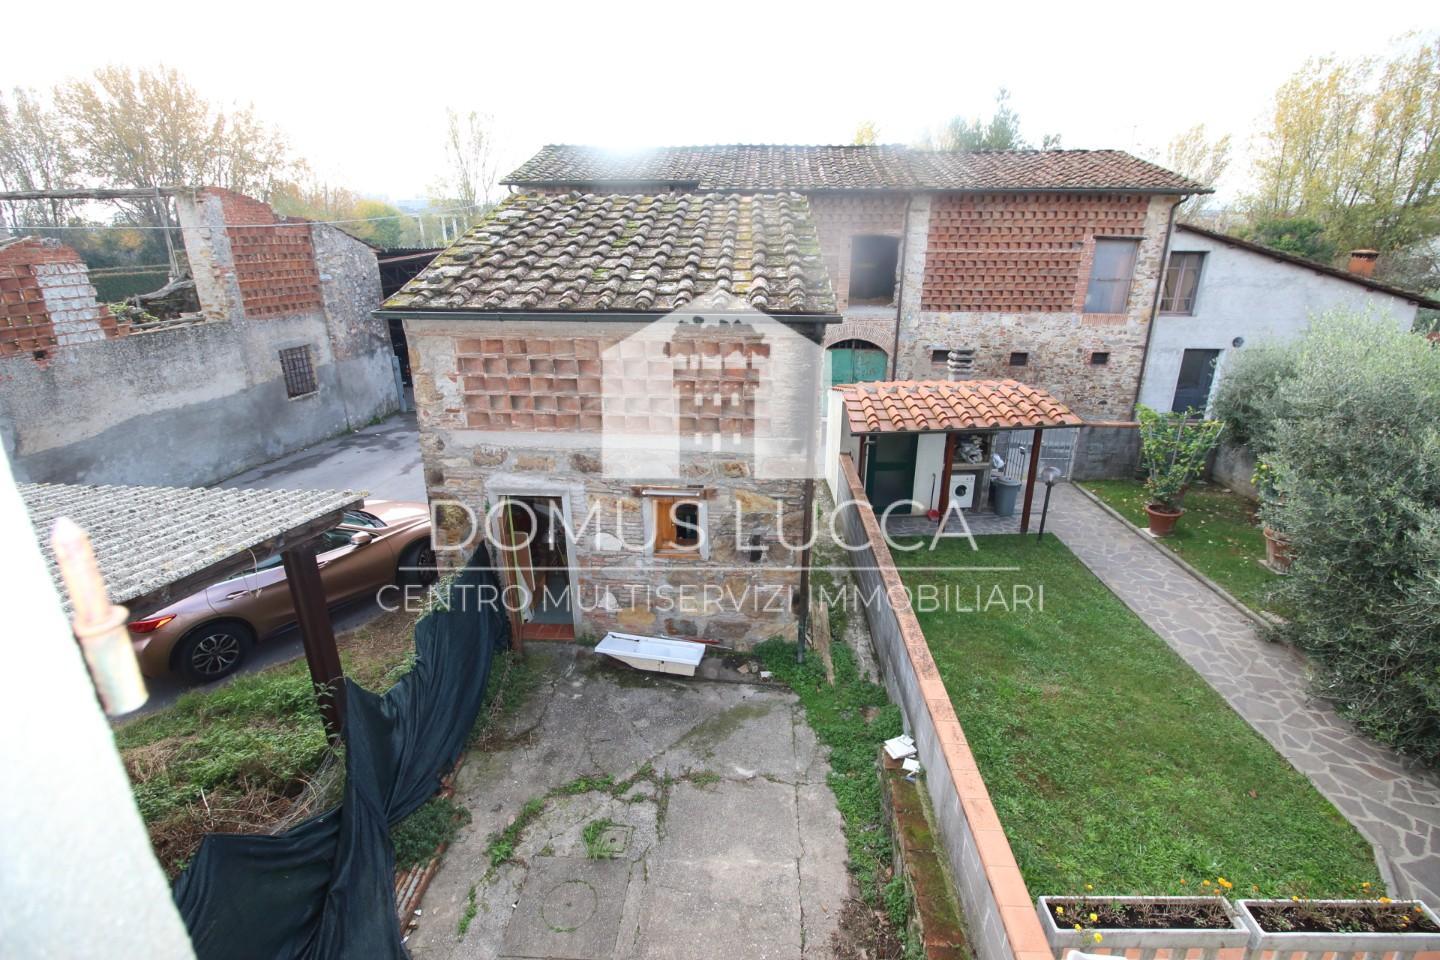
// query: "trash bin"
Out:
[1004,492]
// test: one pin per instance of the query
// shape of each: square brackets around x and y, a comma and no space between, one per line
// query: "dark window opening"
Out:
[1019,359]
[299,371]
[1182,282]
[872,269]
[1099,358]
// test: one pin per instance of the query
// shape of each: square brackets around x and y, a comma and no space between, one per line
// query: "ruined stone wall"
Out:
[47,300]
[193,404]
[514,409]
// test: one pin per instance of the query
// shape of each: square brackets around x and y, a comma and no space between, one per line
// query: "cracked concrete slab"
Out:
[732,841]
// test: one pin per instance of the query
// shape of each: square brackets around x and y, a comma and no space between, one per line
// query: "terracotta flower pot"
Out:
[1162,521]
[1277,551]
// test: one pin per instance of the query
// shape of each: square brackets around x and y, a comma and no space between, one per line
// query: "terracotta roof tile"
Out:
[616,252]
[918,406]
[767,167]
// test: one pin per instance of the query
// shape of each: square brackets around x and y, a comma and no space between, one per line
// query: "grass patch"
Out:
[467,916]
[597,846]
[512,679]
[250,755]
[502,845]
[1216,536]
[852,718]
[1109,760]
[418,836]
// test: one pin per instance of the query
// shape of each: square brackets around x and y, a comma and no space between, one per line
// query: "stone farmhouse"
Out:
[1039,265]
[600,395]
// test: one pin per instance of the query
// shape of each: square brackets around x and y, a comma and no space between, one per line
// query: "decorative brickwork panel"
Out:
[47,301]
[531,383]
[1020,252]
[274,258]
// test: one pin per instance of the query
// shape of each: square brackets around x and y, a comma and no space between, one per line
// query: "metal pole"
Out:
[1044,512]
[802,628]
[302,575]
[1030,481]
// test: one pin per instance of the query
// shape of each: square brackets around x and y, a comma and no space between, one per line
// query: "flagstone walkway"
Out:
[1395,807]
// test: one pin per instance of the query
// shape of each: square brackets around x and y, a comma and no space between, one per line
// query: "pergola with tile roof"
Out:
[156,545]
[954,407]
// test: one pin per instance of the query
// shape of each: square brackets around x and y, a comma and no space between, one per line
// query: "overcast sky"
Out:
[361,88]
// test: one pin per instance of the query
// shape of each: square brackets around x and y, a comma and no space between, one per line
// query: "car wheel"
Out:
[417,565]
[213,651]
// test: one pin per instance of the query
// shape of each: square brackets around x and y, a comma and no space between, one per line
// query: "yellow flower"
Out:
[1094,917]
[1366,885]
[1098,938]
[1384,899]
[1060,911]
[1089,886]
[1204,883]
[1078,927]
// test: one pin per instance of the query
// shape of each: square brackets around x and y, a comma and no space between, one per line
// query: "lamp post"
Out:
[1049,475]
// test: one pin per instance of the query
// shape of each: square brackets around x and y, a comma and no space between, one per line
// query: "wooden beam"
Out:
[302,575]
[1030,470]
[117,193]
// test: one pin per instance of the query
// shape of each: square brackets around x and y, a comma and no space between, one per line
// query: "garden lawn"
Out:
[1215,536]
[1109,760]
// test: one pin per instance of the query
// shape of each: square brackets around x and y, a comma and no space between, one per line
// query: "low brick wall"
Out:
[999,913]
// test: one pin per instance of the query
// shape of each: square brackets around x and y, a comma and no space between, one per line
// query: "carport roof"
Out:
[928,406]
[156,545]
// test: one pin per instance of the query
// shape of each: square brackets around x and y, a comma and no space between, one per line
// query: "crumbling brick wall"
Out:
[47,300]
[274,257]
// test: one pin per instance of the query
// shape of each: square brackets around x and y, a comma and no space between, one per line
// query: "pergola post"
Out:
[1030,470]
[302,574]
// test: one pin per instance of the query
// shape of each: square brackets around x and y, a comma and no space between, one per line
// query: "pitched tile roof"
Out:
[146,538]
[765,167]
[919,406]
[632,253]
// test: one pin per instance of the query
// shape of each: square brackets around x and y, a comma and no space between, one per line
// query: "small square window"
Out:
[873,260]
[939,357]
[299,371]
[678,526]
[1099,358]
[1019,359]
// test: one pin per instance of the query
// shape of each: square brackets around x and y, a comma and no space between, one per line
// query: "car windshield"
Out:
[359,518]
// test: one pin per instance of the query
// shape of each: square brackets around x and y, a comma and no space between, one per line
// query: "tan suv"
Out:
[207,635]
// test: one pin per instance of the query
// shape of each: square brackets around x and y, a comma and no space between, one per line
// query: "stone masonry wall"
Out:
[483,439]
[47,300]
[1008,273]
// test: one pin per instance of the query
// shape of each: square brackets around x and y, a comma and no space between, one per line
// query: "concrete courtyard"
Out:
[721,840]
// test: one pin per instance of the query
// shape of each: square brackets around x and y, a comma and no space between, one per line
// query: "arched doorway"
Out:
[855,361]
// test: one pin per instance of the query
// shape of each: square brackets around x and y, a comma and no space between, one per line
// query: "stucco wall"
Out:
[195,404]
[1248,295]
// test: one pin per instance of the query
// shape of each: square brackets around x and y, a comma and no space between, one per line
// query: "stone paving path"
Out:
[1396,808]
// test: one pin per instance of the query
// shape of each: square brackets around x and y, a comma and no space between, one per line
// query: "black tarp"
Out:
[325,888]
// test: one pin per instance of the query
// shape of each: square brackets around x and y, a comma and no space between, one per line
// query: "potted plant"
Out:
[1340,927]
[1277,543]
[1114,925]
[1173,448]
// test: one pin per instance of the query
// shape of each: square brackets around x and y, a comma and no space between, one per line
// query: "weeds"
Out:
[852,718]
[502,845]
[468,915]
[597,844]
[418,836]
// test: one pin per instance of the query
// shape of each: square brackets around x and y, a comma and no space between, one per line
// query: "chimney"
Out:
[1362,262]
[960,363]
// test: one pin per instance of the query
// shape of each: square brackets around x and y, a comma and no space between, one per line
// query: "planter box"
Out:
[1264,943]
[1148,943]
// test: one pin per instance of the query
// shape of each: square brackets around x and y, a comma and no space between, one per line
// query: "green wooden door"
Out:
[855,361]
[890,469]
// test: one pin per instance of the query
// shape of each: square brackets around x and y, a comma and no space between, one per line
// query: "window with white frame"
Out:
[1182,282]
